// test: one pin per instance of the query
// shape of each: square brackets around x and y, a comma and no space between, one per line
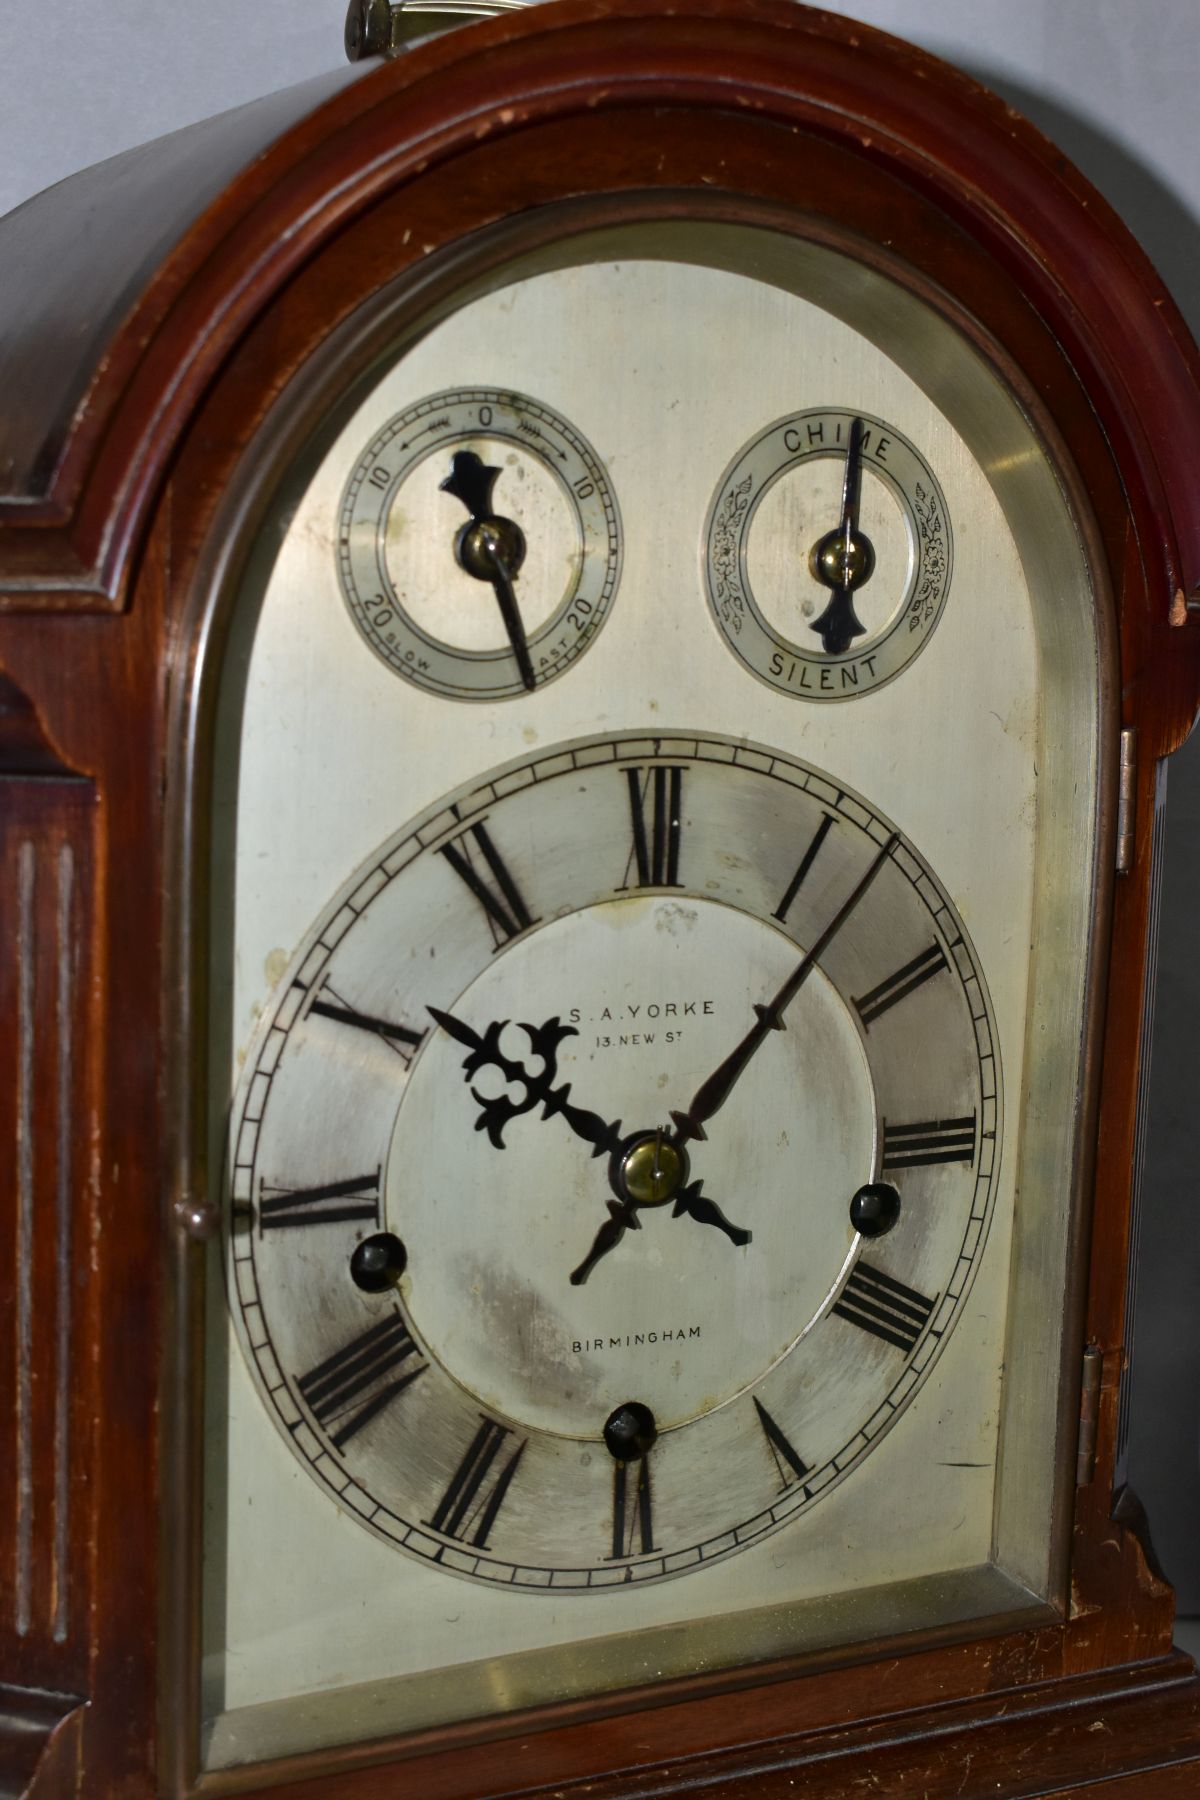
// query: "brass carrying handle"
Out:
[386,27]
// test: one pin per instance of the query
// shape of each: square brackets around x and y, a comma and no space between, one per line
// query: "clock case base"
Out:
[1012,1713]
[136,381]
[1024,1742]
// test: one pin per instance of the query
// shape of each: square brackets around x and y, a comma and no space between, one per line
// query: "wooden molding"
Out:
[86,461]
[39,1745]
[124,470]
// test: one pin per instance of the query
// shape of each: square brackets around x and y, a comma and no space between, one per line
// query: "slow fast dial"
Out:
[479,544]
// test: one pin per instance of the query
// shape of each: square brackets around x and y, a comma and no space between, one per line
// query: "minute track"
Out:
[563,814]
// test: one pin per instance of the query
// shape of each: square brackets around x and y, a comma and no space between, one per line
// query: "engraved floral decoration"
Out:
[935,558]
[723,551]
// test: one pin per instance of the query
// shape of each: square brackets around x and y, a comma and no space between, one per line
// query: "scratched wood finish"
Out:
[80,782]
[744,111]
[46,899]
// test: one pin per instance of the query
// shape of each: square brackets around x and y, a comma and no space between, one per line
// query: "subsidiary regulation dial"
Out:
[828,554]
[479,544]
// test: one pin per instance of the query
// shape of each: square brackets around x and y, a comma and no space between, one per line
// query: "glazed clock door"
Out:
[592,616]
[665,722]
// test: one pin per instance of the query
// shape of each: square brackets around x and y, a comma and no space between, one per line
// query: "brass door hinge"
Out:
[1089,1413]
[1126,800]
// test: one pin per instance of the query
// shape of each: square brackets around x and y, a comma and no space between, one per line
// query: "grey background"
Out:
[1114,82]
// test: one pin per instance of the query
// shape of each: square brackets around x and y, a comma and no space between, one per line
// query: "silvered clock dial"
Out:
[620,1206]
[573,1201]
[614,1162]
[479,544]
[828,553]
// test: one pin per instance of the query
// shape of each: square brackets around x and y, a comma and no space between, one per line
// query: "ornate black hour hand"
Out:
[697,1206]
[544,1040]
[490,547]
[602,1134]
[844,558]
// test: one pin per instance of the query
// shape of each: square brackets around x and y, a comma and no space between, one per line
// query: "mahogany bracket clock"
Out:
[592,614]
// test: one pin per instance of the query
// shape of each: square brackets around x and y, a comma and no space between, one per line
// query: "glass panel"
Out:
[669,714]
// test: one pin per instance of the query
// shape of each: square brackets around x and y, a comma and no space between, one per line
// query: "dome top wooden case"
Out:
[204,346]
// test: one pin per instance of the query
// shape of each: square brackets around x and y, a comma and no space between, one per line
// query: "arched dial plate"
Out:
[594,929]
[479,544]
[774,553]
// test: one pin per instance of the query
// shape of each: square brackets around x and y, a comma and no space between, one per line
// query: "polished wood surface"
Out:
[138,461]
[74,455]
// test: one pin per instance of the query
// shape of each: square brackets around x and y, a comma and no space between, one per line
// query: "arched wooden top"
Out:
[130,284]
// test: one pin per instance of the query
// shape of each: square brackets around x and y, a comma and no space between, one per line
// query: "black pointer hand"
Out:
[505,594]
[844,559]
[490,548]
[712,1094]
[697,1206]
[622,1215]
[603,1136]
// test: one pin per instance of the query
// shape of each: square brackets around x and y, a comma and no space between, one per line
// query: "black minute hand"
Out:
[712,1093]
[845,559]
[491,548]
[510,613]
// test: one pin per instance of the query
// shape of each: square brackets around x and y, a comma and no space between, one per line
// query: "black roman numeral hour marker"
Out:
[360,1379]
[332,1204]
[883,1306]
[806,863]
[873,1005]
[400,1037]
[506,911]
[933,1141]
[468,1508]
[633,1513]
[781,1449]
[654,858]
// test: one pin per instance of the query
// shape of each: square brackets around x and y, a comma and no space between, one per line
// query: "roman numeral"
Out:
[332,1204]
[655,853]
[806,863]
[468,1508]
[633,1511]
[933,1141]
[506,911]
[873,1005]
[781,1449]
[357,1382]
[398,1037]
[883,1306]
